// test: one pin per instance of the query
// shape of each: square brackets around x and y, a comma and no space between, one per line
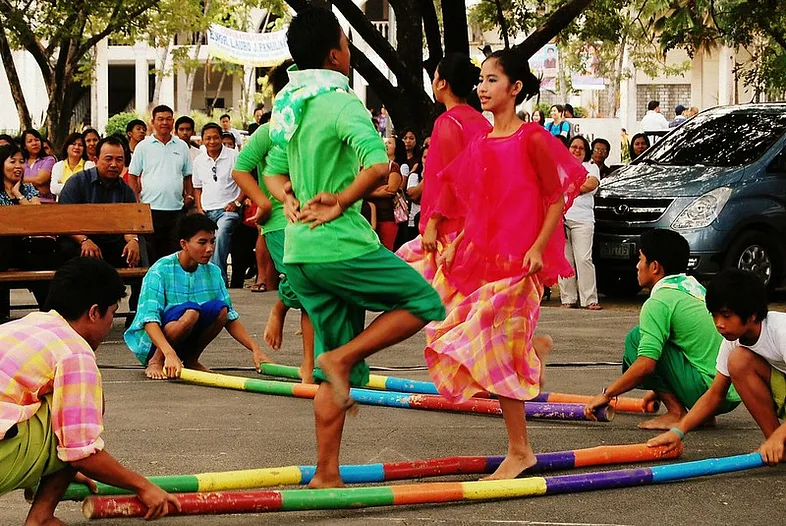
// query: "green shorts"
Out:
[337,295]
[32,454]
[778,390]
[275,246]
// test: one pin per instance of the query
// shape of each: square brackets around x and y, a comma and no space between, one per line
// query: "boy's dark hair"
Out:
[162,108]
[81,283]
[212,126]
[184,119]
[228,135]
[460,73]
[740,292]
[265,118]
[135,122]
[568,108]
[191,225]
[668,248]
[517,68]
[112,140]
[226,115]
[653,104]
[279,76]
[6,137]
[311,35]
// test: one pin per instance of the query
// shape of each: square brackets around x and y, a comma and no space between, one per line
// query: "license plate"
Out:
[615,250]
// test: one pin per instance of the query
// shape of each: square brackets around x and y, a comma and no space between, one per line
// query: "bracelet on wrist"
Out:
[677,431]
[83,240]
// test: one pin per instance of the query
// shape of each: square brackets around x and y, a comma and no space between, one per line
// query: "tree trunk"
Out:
[17,94]
[218,92]
[191,75]
[503,25]
[614,87]
[163,54]
[558,21]
[454,24]
[433,37]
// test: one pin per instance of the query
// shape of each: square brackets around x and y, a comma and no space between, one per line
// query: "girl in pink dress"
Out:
[454,80]
[511,187]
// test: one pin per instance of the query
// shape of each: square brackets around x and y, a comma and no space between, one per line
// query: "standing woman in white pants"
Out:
[581,288]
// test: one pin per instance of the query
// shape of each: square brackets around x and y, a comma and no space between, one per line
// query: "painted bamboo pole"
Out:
[386,472]
[404,385]
[104,507]
[490,406]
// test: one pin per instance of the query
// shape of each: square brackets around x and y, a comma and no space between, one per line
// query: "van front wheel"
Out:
[753,251]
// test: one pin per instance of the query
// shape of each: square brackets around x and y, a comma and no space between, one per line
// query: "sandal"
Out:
[259,287]
[594,306]
[568,305]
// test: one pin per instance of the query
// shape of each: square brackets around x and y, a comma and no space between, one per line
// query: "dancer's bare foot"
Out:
[274,330]
[663,422]
[320,482]
[49,521]
[155,370]
[513,465]
[338,377]
[543,345]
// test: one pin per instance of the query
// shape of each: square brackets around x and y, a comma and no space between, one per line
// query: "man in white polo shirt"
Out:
[160,174]
[217,195]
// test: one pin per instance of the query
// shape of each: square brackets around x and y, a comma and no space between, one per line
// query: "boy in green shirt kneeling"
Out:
[335,262]
[752,357]
[673,350]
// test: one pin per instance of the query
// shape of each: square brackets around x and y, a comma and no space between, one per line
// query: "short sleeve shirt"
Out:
[771,344]
[214,178]
[26,189]
[162,168]
[335,138]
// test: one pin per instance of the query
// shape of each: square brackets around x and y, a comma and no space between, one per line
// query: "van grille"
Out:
[616,209]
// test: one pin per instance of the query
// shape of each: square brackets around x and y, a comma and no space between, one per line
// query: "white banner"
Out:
[248,49]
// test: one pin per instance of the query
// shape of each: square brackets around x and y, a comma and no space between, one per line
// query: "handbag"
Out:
[400,208]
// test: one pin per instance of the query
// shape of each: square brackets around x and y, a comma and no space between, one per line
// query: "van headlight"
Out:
[703,210]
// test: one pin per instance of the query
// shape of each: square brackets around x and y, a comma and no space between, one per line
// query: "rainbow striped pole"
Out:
[408,494]
[386,472]
[403,385]
[394,399]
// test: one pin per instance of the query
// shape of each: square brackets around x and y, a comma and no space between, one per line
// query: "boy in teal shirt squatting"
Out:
[253,156]
[335,262]
[673,350]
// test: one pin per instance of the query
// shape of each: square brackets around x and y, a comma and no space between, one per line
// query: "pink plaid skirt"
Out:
[485,342]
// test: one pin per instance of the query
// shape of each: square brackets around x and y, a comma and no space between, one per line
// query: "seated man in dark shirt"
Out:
[103,185]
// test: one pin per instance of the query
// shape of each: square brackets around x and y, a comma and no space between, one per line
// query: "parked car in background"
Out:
[719,180]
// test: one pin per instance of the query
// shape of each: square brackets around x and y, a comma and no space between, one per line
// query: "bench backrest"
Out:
[57,219]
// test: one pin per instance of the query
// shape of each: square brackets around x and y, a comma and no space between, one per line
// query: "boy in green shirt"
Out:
[673,350]
[335,262]
[253,156]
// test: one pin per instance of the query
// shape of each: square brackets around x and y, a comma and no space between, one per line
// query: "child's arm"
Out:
[172,364]
[641,368]
[238,331]
[705,408]
[373,209]
[534,256]
[772,450]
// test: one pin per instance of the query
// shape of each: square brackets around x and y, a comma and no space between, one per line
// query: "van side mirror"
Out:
[778,165]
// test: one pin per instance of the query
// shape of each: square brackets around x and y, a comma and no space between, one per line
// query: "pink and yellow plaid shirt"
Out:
[41,355]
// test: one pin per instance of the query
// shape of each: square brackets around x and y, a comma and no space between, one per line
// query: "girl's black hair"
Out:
[460,73]
[516,68]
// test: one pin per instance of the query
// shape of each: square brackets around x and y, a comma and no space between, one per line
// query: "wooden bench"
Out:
[57,220]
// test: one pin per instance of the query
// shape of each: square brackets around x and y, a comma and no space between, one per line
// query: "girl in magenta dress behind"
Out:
[511,187]
[454,80]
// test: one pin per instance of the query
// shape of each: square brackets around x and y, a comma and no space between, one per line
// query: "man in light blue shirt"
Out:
[160,174]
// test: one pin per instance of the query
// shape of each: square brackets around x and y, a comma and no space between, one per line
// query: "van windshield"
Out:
[731,139]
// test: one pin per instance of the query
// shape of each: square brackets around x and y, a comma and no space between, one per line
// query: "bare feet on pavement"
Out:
[155,370]
[306,374]
[274,330]
[319,482]
[513,466]
[663,422]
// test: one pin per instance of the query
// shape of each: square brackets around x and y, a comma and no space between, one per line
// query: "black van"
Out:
[719,180]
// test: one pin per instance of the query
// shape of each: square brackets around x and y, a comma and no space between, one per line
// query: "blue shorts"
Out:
[208,312]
